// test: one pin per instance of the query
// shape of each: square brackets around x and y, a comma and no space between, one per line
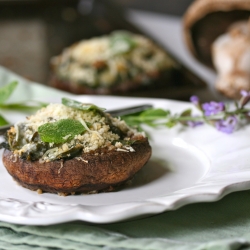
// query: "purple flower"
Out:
[195,99]
[228,125]
[213,108]
[244,93]
[245,98]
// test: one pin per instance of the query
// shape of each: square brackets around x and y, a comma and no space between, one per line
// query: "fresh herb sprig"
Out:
[217,114]
[60,131]
[5,93]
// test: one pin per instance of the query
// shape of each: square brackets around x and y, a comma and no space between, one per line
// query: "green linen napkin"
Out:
[222,225]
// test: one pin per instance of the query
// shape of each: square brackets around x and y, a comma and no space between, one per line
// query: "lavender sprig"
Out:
[217,114]
[220,116]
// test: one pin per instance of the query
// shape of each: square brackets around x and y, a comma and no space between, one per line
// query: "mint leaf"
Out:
[6,91]
[79,105]
[60,131]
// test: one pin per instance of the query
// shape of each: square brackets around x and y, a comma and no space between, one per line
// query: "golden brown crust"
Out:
[205,20]
[98,171]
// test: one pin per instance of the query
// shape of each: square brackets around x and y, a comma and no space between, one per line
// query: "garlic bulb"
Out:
[231,59]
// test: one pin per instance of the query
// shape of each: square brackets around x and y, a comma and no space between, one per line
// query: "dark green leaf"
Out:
[60,131]
[6,91]
[3,121]
[187,112]
[155,113]
[133,124]
[79,105]
[170,124]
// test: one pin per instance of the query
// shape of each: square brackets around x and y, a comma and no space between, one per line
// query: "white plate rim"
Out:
[212,187]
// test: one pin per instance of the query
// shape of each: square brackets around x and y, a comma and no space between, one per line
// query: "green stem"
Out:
[176,118]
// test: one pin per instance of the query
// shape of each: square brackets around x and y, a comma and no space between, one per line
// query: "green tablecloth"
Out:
[219,225]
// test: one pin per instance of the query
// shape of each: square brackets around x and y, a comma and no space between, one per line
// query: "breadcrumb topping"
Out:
[26,143]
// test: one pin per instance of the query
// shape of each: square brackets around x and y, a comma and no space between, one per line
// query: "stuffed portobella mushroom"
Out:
[73,148]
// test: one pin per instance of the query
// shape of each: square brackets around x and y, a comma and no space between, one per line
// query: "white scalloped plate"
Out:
[188,165]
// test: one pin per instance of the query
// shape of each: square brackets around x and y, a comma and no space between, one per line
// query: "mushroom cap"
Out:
[100,170]
[205,20]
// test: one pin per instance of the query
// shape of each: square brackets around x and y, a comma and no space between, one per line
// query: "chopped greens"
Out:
[79,105]
[60,131]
